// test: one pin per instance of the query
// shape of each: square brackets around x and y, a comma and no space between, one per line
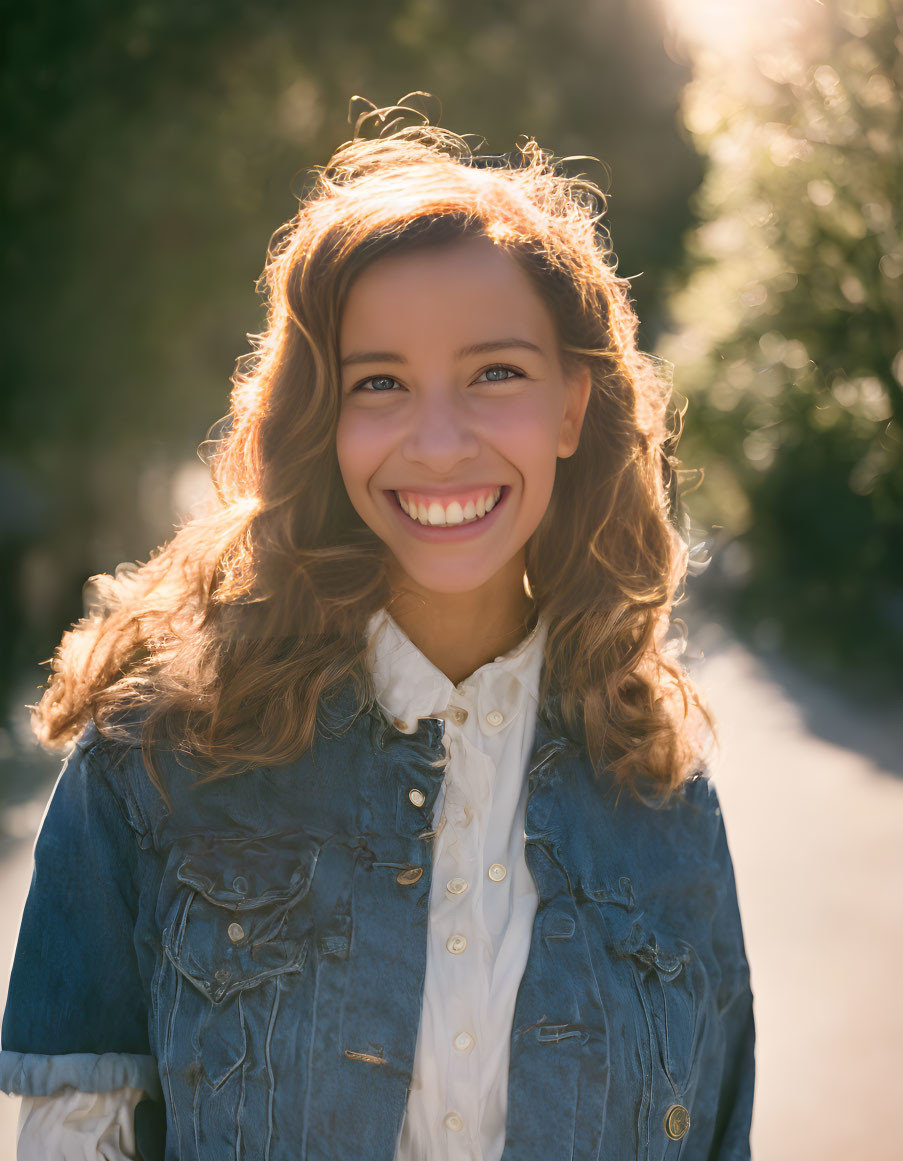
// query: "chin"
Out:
[446,581]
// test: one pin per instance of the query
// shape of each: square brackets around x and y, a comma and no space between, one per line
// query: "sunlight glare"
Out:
[731,28]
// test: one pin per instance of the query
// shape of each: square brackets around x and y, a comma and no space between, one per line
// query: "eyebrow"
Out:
[463,353]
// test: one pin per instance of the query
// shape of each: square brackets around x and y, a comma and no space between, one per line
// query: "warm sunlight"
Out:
[734,28]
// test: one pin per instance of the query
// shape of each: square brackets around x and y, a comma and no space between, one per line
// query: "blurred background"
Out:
[752,151]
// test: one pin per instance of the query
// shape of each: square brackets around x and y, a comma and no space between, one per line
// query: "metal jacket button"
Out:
[417,796]
[236,932]
[409,876]
[677,1121]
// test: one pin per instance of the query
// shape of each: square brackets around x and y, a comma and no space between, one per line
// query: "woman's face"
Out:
[455,409]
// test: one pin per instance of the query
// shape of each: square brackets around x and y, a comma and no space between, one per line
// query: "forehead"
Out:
[468,288]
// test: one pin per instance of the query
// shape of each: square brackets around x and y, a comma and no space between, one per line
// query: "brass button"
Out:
[456,944]
[495,717]
[399,724]
[497,872]
[417,796]
[456,886]
[677,1121]
[223,974]
[409,876]
[236,932]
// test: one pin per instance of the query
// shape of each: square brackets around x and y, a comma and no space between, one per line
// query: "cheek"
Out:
[531,440]
[356,449]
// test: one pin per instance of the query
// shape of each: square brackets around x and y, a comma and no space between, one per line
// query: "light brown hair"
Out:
[224,642]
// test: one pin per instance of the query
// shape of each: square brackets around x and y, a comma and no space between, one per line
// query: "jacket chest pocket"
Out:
[238,931]
[672,989]
[671,998]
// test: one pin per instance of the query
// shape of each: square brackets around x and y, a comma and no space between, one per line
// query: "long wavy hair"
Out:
[224,642]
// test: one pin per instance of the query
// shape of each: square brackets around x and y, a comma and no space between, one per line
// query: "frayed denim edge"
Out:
[33,1074]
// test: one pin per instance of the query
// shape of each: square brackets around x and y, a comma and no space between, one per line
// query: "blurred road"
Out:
[812,793]
[15,874]
[811,789]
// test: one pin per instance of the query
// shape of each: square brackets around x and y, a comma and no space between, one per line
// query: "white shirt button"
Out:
[459,716]
[495,717]
[456,886]
[497,872]
[464,1041]
[454,1122]
[456,943]
[236,932]
[417,797]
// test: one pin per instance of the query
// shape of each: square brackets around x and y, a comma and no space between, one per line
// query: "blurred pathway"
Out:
[15,876]
[812,793]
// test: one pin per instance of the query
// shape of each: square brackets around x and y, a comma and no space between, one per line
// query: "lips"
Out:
[453,510]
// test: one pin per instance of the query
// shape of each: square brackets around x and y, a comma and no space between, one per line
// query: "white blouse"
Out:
[483,899]
[482,904]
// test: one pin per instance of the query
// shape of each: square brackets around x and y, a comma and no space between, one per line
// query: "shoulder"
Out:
[106,779]
[687,820]
[697,801]
[691,826]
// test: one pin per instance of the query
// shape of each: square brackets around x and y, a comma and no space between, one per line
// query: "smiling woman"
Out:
[451,460]
[385,821]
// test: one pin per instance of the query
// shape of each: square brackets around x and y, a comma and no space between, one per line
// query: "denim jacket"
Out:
[255,955]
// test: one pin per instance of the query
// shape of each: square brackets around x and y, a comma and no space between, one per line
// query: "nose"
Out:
[441,435]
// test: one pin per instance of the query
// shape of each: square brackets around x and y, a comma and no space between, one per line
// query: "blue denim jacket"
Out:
[256,955]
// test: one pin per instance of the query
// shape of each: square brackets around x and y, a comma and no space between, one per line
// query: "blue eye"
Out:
[500,374]
[377,383]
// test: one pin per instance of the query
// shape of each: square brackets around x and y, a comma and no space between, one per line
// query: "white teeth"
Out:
[435,515]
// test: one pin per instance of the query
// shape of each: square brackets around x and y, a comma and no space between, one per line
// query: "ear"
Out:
[576,399]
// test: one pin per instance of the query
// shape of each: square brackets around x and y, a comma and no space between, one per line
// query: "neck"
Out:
[459,632]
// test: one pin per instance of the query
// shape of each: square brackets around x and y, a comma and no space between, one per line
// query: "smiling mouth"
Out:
[434,513]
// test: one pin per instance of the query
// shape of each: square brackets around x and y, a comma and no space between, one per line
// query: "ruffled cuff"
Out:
[33,1074]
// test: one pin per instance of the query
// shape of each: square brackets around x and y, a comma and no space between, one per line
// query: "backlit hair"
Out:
[224,642]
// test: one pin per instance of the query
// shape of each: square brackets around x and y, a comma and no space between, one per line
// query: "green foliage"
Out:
[788,333]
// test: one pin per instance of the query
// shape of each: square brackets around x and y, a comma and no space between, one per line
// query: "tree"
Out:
[788,334]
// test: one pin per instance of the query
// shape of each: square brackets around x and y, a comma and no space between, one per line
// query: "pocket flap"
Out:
[633,934]
[667,954]
[251,872]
